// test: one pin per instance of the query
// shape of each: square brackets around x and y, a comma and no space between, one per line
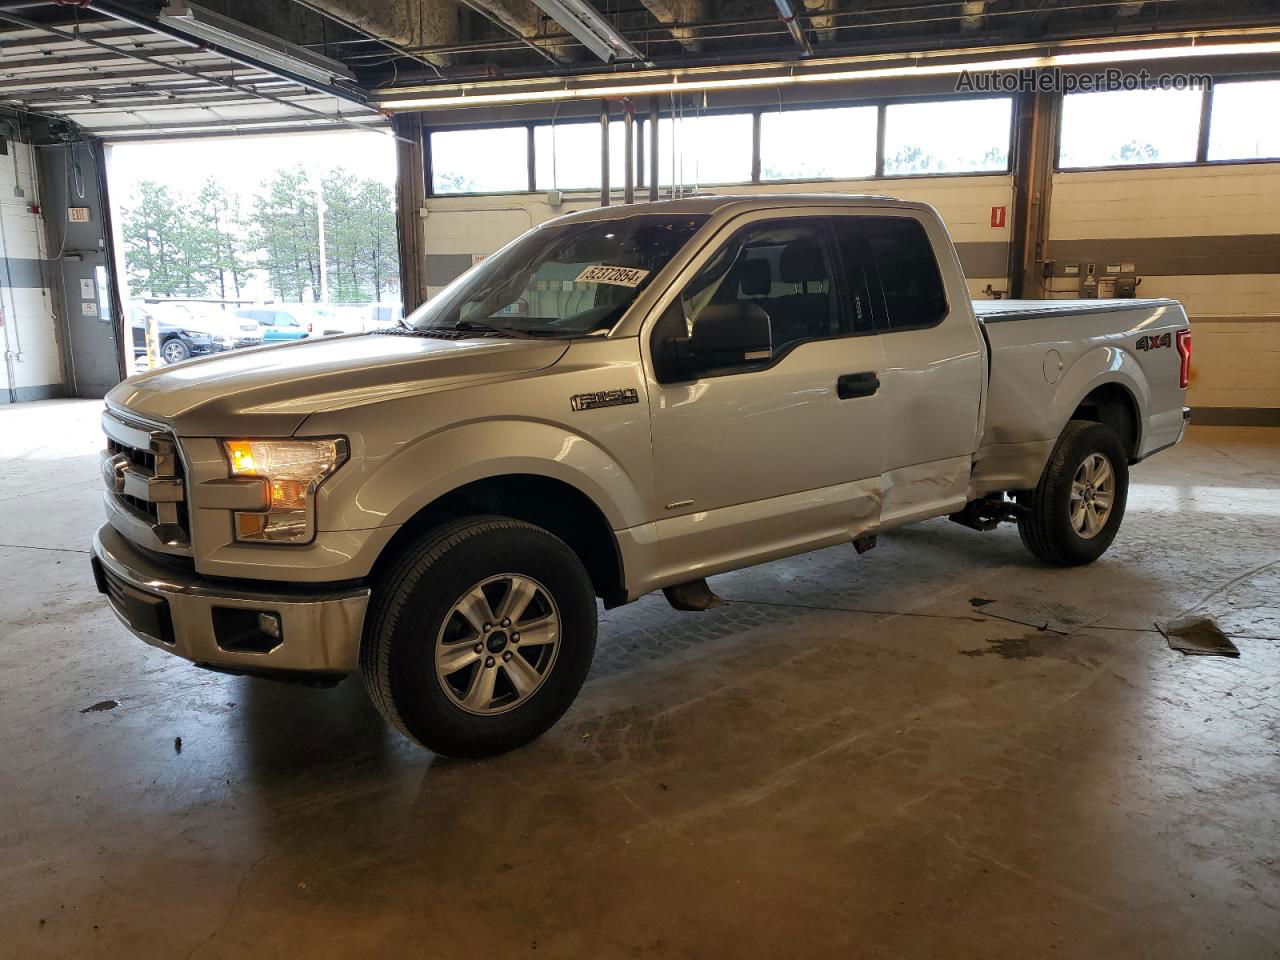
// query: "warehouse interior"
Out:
[940,747]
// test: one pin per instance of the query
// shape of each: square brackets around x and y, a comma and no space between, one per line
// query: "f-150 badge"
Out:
[604,398]
[1154,342]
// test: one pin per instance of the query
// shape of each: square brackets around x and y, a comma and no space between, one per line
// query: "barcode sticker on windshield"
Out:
[618,276]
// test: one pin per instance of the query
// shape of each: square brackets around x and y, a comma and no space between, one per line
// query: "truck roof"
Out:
[714,203]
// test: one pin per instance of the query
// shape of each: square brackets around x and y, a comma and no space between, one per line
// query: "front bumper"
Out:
[211,622]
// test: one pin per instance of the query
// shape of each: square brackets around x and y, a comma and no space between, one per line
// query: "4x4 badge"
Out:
[604,398]
[1153,342]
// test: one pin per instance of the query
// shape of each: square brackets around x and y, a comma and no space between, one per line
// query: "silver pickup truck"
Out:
[619,401]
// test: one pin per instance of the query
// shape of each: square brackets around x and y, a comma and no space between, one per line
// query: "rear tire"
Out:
[1074,513]
[443,657]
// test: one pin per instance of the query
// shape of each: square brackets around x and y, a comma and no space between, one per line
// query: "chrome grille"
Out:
[144,478]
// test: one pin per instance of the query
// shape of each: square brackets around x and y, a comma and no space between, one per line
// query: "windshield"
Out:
[570,280]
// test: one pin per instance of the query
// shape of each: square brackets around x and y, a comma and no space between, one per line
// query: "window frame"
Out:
[705,254]
[1206,119]
[759,114]
[428,169]
[1202,142]
[887,102]
[754,112]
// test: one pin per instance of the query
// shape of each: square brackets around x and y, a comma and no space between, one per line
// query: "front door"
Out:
[783,453]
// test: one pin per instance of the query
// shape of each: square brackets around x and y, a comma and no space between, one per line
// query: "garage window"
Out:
[1242,125]
[790,151]
[488,160]
[1129,128]
[947,136]
[697,150]
[567,155]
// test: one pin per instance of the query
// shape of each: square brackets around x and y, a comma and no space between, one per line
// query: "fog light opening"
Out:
[239,630]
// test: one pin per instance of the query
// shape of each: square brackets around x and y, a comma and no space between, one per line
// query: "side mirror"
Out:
[729,334]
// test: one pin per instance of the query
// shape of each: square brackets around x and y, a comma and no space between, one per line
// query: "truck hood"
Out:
[269,391]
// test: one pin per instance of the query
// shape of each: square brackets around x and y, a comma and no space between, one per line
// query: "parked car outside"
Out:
[328,319]
[277,324]
[176,342]
[237,331]
[383,315]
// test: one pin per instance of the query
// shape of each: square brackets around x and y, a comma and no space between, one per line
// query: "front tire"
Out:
[479,636]
[1074,513]
[175,351]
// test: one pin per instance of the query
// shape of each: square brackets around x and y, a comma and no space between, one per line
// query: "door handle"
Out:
[852,385]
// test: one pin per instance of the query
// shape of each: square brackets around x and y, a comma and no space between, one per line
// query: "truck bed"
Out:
[1002,311]
[1042,364]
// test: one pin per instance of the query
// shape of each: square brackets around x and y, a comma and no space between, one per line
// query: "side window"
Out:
[859,274]
[911,288]
[783,267]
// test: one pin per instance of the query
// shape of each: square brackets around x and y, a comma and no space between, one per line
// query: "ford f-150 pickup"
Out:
[619,401]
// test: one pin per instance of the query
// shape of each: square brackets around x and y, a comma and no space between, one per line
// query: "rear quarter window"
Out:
[911,288]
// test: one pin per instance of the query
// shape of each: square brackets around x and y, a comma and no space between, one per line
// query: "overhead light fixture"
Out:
[590,29]
[698,80]
[236,37]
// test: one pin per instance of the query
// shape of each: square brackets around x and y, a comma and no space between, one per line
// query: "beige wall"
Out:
[1206,235]
[456,228]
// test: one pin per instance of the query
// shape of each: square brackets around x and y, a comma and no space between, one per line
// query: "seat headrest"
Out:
[755,277]
[802,261]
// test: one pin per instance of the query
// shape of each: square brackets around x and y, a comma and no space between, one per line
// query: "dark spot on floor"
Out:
[1042,643]
[101,705]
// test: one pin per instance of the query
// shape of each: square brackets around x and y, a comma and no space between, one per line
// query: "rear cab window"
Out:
[901,270]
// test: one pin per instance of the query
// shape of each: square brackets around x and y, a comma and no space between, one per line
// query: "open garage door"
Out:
[182,232]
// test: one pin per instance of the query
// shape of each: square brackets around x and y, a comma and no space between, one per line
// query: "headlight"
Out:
[293,470]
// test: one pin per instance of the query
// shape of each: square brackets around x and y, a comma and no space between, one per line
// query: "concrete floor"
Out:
[849,760]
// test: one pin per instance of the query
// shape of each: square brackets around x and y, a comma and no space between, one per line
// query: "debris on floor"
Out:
[1198,635]
[177,744]
[1038,613]
[101,705]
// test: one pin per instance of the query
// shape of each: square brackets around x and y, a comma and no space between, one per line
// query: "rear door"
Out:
[933,373]
[786,453]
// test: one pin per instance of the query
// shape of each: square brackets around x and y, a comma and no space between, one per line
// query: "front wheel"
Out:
[479,636]
[175,351]
[1075,511]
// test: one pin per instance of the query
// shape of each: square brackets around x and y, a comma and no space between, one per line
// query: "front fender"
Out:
[427,469]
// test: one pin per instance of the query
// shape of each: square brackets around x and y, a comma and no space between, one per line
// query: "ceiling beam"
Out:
[669,13]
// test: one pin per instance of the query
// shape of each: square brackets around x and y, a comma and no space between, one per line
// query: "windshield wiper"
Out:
[472,326]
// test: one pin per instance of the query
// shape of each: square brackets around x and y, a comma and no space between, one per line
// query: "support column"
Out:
[604,153]
[629,145]
[1034,152]
[411,186]
[653,147]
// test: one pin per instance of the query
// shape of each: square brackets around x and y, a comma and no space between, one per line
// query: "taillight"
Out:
[1184,351]
[308,327]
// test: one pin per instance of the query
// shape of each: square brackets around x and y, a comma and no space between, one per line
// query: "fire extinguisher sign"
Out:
[998,216]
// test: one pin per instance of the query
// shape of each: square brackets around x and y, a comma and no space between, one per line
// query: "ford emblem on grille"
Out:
[113,472]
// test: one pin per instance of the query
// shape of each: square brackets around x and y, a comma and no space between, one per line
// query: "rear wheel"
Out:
[479,636]
[1075,511]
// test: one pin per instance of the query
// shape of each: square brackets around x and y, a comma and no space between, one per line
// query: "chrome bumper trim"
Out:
[320,631]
